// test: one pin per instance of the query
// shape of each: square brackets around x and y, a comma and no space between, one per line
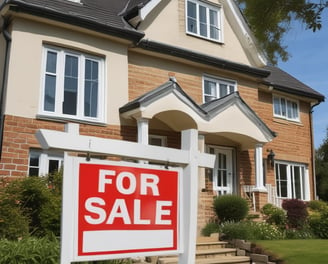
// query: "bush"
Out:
[230,208]
[274,215]
[249,230]
[210,228]
[296,213]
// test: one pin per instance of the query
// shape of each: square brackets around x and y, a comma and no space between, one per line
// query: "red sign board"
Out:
[126,209]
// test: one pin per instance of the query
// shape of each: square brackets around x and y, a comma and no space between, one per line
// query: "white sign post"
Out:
[142,180]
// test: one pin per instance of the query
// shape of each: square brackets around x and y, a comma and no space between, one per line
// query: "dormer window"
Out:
[204,20]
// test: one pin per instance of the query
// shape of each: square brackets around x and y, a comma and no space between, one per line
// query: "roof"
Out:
[110,17]
[282,81]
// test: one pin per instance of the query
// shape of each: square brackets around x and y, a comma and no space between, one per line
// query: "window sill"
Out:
[67,120]
[286,121]
[204,38]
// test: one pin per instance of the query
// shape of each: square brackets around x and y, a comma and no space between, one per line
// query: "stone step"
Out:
[215,252]
[216,260]
[209,245]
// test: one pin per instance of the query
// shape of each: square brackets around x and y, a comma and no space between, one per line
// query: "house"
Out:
[144,70]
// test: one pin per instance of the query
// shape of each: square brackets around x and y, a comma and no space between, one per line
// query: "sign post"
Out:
[116,209]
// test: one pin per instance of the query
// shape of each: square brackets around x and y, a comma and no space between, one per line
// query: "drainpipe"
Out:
[313,151]
[7,38]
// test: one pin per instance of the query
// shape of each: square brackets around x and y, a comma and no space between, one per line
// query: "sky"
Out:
[309,64]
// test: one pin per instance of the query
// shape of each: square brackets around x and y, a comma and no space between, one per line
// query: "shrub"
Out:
[210,228]
[296,213]
[249,230]
[317,205]
[319,224]
[230,208]
[274,215]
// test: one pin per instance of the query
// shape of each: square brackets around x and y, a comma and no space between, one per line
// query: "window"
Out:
[203,20]
[291,180]
[73,85]
[217,88]
[43,163]
[157,140]
[285,108]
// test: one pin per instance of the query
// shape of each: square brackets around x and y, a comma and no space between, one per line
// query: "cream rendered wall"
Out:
[168,26]
[24,78]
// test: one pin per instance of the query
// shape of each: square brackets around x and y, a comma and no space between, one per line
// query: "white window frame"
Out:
[290,181]
[208,7]
[59,87]
[44,158]
[284,111]
[216,93]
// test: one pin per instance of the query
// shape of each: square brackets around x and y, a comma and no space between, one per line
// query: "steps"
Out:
[211,251]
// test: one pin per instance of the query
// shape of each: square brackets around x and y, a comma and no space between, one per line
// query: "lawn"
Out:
[314,251]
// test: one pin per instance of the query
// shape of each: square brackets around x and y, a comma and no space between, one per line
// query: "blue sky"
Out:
[309,64]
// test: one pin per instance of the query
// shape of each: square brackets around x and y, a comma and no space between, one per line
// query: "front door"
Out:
[223,180]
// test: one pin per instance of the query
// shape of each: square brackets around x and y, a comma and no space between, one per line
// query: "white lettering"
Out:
[137,214]
[149,181]
[90,207]
[103,180]
[132,183]
[119,210]
[160,212]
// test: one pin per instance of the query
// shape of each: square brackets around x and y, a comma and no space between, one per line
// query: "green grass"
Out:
[314,251]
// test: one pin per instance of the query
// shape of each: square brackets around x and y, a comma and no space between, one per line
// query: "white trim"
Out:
[59,97]
[148,8]
[287,99]
[208,6]
[259,185]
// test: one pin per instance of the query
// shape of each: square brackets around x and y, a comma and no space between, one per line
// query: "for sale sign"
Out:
[126,209]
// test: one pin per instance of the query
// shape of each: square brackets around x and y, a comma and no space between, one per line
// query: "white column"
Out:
[143,130]
[259,185]
[201,171]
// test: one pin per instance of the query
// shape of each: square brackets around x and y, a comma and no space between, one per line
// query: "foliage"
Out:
[318,218]
[230,207]
[30,206]
[304,233]
[270,21]
[296,213]
[274,215]
[210,228]
[249,230]
[29,250]
[321,163]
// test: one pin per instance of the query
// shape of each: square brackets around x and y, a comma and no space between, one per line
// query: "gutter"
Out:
[7,38]
[201,58]
[313,151]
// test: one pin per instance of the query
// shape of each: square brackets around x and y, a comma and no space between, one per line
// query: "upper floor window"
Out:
[204,20]
[157,140]
[73,85]
[216,88]
[285,108]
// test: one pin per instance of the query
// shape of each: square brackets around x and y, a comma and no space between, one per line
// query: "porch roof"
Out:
[229,116]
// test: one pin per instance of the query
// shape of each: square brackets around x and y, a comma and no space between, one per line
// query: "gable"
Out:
[167,24]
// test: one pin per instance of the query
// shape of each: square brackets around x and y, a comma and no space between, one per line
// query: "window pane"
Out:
[294,110]
[276,103]
[70,85]
[283,107]
[192,17]
[49,93]
[223,89]
[91,89]
[53,166]
[51,62]
[202,21]
[33,169]
[214,30]
[297,184]
[289,109]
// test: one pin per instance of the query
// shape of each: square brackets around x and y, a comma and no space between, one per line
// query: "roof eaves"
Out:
[201,58]
[75,19]
[281,88]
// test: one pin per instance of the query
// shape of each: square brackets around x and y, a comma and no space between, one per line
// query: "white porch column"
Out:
[259,184]
[143,130]
[201,171]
